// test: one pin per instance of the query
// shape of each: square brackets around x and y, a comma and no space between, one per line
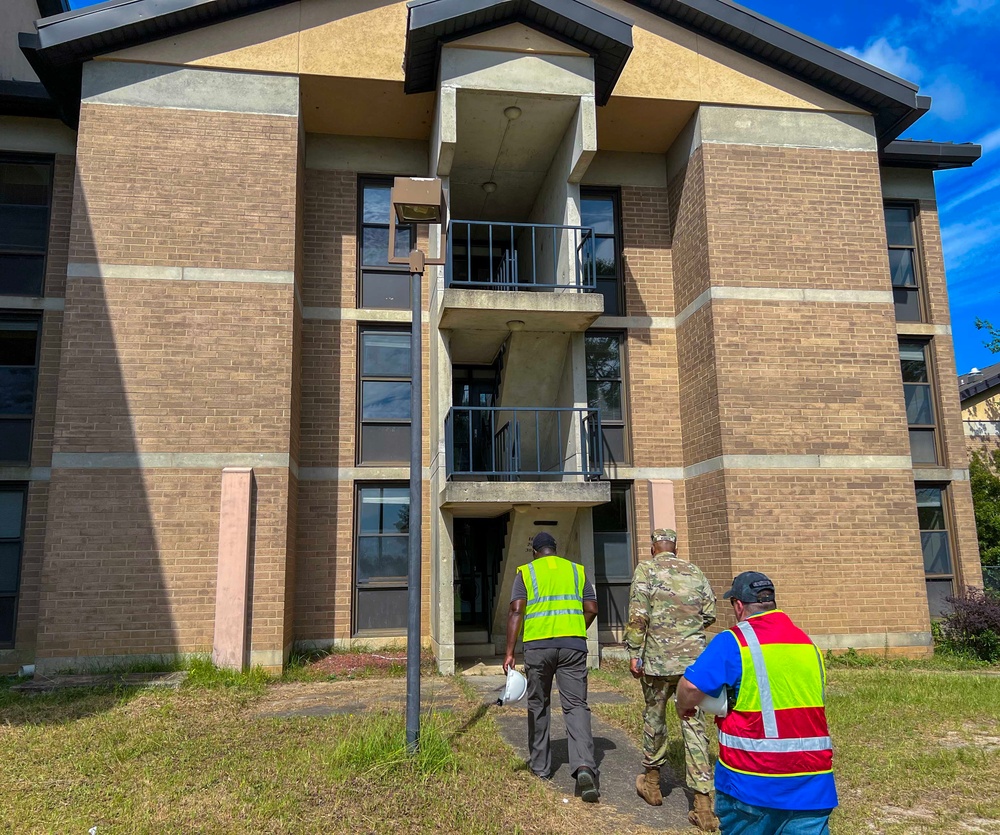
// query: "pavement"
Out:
[619,760]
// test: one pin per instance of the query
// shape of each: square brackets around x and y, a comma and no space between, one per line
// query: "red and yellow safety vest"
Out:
[777,727]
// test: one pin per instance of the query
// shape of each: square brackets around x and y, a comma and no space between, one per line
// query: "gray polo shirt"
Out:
[519,592]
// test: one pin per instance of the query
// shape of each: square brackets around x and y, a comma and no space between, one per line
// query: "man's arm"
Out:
[638,619]
[589,613]
[515,617]
[708,610]
[688,698]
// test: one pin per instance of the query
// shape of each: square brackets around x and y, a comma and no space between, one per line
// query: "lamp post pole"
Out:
[416,508]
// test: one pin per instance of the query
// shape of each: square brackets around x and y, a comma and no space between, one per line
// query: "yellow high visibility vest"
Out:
[554,608]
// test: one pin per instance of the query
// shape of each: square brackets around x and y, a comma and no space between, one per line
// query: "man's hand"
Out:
[688,699]
[508,662]
[635,667]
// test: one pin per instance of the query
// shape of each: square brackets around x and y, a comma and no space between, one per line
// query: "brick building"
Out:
[979,394]
[694,278]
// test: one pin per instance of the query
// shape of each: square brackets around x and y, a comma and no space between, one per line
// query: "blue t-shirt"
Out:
[719,666]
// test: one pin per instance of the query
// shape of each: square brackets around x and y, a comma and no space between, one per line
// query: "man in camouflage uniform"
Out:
[670,605]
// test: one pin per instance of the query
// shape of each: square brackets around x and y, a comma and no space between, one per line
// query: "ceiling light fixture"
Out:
[489,187]
[513,112]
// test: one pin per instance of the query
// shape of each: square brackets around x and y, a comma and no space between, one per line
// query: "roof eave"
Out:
[933,156]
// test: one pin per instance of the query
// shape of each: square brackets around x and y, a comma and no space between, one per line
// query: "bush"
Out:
[973,627]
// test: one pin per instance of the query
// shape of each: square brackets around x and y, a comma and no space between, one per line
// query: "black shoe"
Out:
[542,776]
[586,784]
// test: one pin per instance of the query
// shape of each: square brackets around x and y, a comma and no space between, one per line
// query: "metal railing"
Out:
[520,256]
[523,444]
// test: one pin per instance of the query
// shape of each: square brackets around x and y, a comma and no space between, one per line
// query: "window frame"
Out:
[917,249]
[360,420]
[927,346]
[23,487]
[47,160]
[402,270]
[356,586]
[604,582]
[616,197]
[624,423]
[36,319]
[947,511]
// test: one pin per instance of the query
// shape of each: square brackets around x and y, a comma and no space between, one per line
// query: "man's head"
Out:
[543,544]
[664,540]
[751,593]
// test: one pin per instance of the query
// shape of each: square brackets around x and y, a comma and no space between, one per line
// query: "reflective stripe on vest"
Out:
[554,605]
[778,724]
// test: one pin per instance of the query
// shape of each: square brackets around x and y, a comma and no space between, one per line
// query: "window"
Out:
[381,284]
[599,210]
[12,503]
[384,397]
[381,558]
[18,376]
[606,391]
[933,515]
[919,401]
[904,263]
[25,195]
[613,557]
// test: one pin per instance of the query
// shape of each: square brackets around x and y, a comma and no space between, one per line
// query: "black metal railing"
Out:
[523,444]
[520,256]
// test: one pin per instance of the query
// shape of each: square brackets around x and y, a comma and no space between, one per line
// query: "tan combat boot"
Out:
[702,815]
[648,787]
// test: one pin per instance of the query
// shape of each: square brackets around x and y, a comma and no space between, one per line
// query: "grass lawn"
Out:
[918,751]
[916,744]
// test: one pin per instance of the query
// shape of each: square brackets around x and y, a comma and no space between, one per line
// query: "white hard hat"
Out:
[514,689]
[717,705]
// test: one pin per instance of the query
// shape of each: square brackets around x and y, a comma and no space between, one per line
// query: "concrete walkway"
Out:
[618,758]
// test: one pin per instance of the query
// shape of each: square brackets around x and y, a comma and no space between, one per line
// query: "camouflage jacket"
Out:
[669,607]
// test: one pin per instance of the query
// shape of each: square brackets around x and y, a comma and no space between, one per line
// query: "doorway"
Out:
[479,545]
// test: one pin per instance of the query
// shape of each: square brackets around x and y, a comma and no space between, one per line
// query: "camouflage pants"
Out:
[657,691]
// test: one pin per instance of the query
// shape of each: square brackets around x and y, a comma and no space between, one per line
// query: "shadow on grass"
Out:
[469,723]
[61,706]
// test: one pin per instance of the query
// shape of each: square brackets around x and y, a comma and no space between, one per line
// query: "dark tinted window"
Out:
[18,379]
[613,557]
[606,391]
[25,196]
[932,513]
[903,263]
[599,210]
[382,284]
[382,538]
[12,503]
[384,397]
[919,396]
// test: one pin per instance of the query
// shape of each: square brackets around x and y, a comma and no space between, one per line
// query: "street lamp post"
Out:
[415,200]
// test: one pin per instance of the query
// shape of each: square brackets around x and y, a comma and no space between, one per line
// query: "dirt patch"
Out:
[352,663]
[972,736]
[327,698]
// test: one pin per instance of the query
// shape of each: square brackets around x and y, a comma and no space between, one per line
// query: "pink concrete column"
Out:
[662,511]
[231,647]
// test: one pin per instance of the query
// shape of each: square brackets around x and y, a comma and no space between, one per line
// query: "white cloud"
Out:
[969,242]
[989,185]
[949,100]
[881,53]
[961,7]
[990,142]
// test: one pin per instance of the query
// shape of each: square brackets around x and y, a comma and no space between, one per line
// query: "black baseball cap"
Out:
[748,585]
[543,540]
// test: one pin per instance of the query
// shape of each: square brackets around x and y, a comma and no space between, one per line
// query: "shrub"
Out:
[973,626]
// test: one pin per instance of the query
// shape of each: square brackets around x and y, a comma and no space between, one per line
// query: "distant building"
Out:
[693,279]
[979,392]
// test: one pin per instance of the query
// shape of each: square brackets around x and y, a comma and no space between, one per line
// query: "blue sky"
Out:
[949,48]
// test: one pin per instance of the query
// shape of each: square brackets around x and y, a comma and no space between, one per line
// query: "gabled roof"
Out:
[65,41]
[969,385]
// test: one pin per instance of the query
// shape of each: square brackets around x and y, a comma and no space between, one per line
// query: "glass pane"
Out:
[937,592]
[11,512]
[385,354]
[385,444]
[381,609]
[599,214]
[17,343]
[901,268]
[375,246]
[937,558]
[15,441]
[391,290]
[930,509]
[608,288]
[922,449]
[603,356]
[612,556]
[376,206]
[907,302]
[913,362]
[614,445]
[385,401]
[22,275]
[918,405]
[24,228]
[404,236]
[898,226]
[612,605]
[604,252]
[24,184]
[605,395]
[382,558]
[612,516]
[10,557]
[385,510]
[7,610]
[17,391]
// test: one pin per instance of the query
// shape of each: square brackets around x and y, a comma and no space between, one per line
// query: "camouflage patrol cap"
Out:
[664,535]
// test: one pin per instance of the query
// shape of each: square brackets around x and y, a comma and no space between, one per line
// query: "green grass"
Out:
[917,742]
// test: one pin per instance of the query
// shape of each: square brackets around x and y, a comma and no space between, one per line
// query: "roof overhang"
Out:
[26,98]
[605,36]
[933,156]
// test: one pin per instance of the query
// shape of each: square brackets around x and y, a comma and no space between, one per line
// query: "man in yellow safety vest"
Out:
[556,603]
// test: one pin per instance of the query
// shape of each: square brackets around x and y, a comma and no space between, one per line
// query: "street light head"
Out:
[418,200]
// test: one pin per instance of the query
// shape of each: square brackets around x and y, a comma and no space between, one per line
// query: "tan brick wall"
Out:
[63,177]
[329,393]
[330,239]
[647,252]
[32,556]
[654,397]
[687,209]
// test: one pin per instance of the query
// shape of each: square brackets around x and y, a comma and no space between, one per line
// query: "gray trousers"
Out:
[569,667]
